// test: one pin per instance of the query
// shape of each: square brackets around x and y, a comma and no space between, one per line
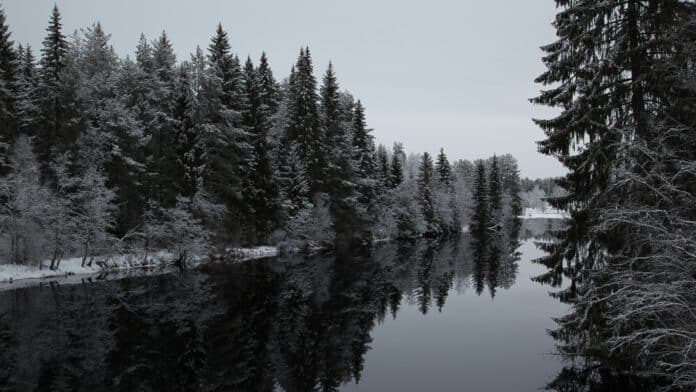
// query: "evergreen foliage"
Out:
[481,213]
[154,153]
[619,73]
[397,170]
[494,187]
[10,65]
[425,193]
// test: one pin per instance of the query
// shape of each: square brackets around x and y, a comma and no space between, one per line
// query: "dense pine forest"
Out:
[622,76]
[107,155]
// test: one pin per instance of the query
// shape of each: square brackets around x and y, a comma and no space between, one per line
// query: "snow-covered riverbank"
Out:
[549,213]
[71,270]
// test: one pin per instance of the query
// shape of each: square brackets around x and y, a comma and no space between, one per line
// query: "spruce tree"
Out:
[511,185]
[613,74]
[227,68]
[425,194]
[262,187]
[304,128]
[27,99]
[143,55]
[363,144]
[339,176]
[161,129]
[9,65]
[229,156]
[444,170]
[363,162]
[495,193]
[329,98]
[397,163]
[52,107]
[480,217]
[188,149]
[382,158]
[269,95]
[54,50]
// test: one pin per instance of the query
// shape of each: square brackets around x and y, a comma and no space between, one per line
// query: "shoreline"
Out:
[14,276]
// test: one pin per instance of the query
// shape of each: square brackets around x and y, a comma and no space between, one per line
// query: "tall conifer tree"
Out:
[495,192]
[9,65]
[425,194]
[304,128]
[480,218]
[339,178]
[444,170]
[53,111]
[397,164]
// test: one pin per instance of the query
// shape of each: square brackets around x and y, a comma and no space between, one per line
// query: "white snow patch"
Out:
[548,213]
[71,270]
[73,266]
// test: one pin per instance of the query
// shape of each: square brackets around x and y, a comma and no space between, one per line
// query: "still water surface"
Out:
[428,316]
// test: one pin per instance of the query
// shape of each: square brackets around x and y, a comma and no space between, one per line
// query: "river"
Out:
[423,316]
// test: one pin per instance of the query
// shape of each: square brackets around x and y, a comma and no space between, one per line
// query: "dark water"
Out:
[430,316]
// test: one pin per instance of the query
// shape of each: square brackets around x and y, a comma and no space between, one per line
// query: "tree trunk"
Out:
[637,59]
[84,255]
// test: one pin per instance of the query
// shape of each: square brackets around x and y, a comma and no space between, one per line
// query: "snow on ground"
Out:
[73,266]
[258,252]
[71,270]
[548,213]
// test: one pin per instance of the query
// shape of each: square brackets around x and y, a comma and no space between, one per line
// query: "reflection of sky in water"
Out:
[476,343]
[295,322]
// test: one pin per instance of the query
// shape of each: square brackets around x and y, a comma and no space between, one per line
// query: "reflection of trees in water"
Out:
[591,378]
[539,229]
[297,324]
[579,375]
[495,257]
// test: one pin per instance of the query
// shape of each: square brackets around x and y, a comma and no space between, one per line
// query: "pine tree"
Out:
[425,194]
[382,164]
[339,178]
[397,163]
[226,67]
[617,73]
[444,170]
[161,129]
[27,99]
[363,144]
[229,155]
[8,77]
[53,111]
[480,217]
[54,50]
[143,55]
[510,175]
[269,95]
[188,148]
[163,59]
[331,120]
[263,190]
[495,193]
[304,128]
[99,57]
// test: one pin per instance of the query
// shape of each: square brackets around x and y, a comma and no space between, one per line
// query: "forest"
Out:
[105,156]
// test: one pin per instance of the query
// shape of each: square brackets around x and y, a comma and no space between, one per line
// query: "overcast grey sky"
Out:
[455,74]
